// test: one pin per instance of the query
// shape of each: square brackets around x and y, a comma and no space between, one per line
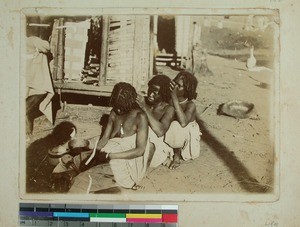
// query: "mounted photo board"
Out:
[242,166]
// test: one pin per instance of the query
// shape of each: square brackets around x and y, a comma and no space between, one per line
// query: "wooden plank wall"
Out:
[75,47]
[141,59]
[128,50]
[57,49]
[125,54]
[54,49]
[104,50]
[120,46]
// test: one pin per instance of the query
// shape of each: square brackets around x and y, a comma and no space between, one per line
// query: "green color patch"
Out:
[107,215]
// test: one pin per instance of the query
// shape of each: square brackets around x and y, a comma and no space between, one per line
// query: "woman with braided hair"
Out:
[123,98]
[124,142]
[184,133]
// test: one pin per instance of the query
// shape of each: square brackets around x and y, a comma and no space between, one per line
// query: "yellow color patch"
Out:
[143,215]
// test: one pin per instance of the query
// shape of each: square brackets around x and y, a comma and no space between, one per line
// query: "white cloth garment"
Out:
[127,172]
[162,150]
[187,138]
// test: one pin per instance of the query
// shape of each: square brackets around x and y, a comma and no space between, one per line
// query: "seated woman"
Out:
[125,140]
[184,133]
[160,115]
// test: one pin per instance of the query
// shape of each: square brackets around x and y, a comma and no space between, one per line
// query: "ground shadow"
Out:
[236,167]
[38,169]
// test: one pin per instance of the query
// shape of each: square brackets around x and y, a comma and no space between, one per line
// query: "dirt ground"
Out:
[237,155]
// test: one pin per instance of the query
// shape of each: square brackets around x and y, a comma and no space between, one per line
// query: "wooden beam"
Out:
[94,93]
[104,55]
[80,88]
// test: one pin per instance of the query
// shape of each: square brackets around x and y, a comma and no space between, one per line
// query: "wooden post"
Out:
[200,66]
[60,98]
[103,55]
[188,64]
[182,30]
[196,45]
[60,55]
[54,48]
[196,32]
[153,45]
[178,37]
[153,30]
[136,72]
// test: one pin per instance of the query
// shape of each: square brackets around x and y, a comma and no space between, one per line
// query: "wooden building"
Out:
[130,45]
[127,48]
[125,54]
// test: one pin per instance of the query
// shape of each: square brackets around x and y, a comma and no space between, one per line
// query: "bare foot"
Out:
[137,187]
[175,163]
[167,162]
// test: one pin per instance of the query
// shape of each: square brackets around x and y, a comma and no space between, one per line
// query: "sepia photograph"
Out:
[129,104]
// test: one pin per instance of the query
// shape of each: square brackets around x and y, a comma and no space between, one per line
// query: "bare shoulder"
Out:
[191,105]
[141,116]
[168,112]
[112,115]
[137,113]
[168,107]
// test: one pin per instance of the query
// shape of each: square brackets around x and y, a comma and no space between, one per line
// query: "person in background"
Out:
[160,115]
[184,133]
[39,87]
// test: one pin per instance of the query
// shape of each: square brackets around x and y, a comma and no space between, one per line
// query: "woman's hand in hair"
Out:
[173,89]
[140,100]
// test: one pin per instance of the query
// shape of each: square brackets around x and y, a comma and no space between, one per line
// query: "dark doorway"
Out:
[166,33]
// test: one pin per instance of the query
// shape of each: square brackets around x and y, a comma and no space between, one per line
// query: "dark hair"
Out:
[62,132]
[163,82]
[190,83]
[123,97]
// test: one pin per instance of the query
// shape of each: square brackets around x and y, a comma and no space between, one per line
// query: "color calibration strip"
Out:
[31,214]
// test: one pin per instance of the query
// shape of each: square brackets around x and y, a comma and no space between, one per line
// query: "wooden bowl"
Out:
[237,109]
[55,154]
[76,146]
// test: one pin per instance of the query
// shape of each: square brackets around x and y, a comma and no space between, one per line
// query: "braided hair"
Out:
[163,82]
[190,83]
[123,98]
